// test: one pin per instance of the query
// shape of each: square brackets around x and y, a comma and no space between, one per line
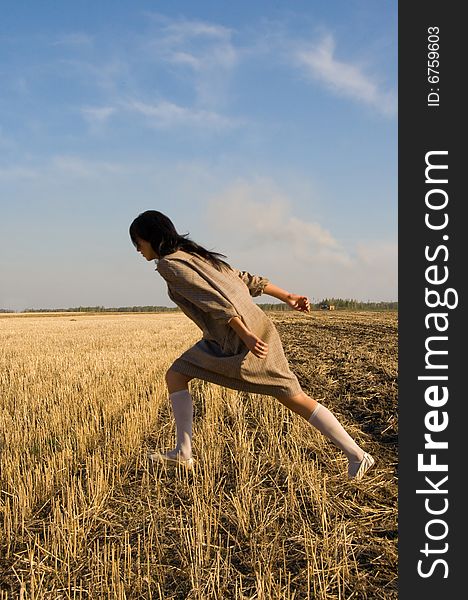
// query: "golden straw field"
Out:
[267,513]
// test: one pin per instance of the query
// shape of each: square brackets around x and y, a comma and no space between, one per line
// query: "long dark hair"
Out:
[157,229]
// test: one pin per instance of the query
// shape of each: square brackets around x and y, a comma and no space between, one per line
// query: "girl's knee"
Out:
[176,381]
[300,403]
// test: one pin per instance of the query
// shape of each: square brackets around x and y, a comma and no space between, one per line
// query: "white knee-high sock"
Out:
[329,425]
[182,407]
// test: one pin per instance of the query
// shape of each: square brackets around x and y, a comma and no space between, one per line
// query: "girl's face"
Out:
[145,249]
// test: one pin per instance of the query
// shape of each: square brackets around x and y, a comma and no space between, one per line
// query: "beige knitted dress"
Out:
[210,298]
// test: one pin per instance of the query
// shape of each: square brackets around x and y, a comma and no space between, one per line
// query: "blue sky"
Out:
[267,130]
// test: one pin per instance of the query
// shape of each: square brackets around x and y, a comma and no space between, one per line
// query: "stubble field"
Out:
[268,512]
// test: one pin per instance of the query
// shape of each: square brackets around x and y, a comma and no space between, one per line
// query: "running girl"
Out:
[240,348]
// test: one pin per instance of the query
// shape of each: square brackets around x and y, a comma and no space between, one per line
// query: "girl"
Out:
[240,348]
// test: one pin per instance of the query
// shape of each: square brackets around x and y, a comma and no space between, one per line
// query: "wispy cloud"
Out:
[175,31]
[261,216]
[166,114]
[201,58]
[342,78]
[17,173]
[377,253]
[107,76]
[206,51]
[198,53]
[62,167]
[74,39]
[97,114]
[181,29]
[257,221]
[76,166]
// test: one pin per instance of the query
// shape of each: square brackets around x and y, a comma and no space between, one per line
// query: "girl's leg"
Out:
[320,417]
[302,404]
[182,407]
[176,381]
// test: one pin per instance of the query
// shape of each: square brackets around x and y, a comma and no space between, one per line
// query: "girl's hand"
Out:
[300,303]
[257,346]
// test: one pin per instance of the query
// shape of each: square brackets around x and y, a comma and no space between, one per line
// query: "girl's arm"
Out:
[257,346]
[261,285]
[295,301]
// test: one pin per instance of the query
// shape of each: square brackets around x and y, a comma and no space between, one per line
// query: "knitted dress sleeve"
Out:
[255,283]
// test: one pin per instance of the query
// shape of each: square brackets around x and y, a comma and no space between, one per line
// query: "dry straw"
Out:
[267,512]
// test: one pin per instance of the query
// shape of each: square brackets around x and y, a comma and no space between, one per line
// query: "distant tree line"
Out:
[350,304]
[274,306]
[99,309]
[338,303]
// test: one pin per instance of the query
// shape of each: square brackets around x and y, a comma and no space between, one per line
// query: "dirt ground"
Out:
[349,360]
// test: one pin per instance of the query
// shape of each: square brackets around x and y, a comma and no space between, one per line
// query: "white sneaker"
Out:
[170,460]
[357,470]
